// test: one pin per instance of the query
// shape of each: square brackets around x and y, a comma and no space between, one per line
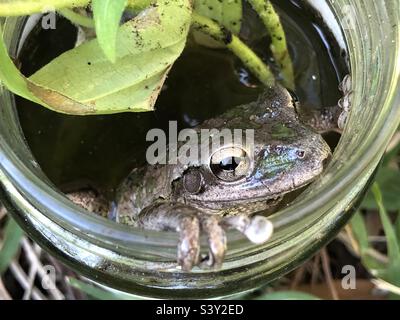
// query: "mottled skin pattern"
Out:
[289,153]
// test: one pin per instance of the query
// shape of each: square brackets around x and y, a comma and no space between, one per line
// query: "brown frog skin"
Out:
[289,153]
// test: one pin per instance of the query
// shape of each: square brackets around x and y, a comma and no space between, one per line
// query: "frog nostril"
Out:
[300,154]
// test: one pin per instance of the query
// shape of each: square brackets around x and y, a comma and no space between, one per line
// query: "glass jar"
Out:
[142,262]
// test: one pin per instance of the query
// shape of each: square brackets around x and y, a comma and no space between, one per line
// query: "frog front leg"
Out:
[188,222]
[165,216]
[330,118]
[91,201]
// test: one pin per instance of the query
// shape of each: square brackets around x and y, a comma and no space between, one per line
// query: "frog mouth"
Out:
[271,197]
[268,195]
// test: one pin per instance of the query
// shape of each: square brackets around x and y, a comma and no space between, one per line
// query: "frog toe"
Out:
[162,216]
[346,85]
[189,244]
[257,229]
[216,241]
[91,201]
[345,102]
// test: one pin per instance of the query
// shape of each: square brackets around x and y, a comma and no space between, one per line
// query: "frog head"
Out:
[284,155]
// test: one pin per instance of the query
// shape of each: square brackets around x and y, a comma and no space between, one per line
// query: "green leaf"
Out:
[287,295]
[389,182]
[26,7]
[76,18]
[10,75]
[390,155]
[97,292]
[226,12]
[83,81]
[393,246]
[397,226]
[12,236]
[360,233]
[107,16]
[136,6]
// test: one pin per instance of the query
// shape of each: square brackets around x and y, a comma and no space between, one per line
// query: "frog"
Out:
[233,187]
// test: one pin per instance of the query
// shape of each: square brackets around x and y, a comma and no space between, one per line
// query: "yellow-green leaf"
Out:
[107,16]
[26,7]
[226,12]
[10,75]
[12,236]
[393,246]
[83,81]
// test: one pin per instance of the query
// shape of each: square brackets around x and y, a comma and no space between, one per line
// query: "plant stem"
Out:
[279,48]
[22,8]
[77,18]
[233,43]
[138,5]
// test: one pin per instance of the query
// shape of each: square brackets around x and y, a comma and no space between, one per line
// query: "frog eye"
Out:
[230,164]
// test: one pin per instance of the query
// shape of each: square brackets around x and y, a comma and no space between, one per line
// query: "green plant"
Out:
[382,200]
[10,244]
[124,67]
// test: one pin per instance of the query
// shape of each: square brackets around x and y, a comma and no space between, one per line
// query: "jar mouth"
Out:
[364,141]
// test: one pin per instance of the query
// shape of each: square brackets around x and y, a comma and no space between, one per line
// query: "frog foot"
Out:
[90,200]
[345,102]
[257,229]
[189,223]
[164,216]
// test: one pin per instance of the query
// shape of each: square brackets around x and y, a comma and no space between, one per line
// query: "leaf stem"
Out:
[233,43]
[77,18]
[22,8]
[138,5]
[271,20]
